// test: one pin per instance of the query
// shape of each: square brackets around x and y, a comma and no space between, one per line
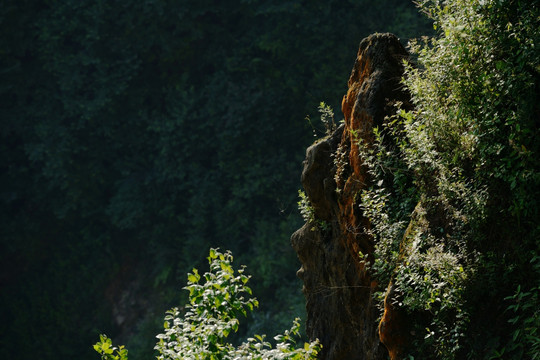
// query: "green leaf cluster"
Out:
[201,329]
[109,352]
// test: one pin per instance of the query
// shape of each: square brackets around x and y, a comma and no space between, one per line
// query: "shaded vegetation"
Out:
[137,135]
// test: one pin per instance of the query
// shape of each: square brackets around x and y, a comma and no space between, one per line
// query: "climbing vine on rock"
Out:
[455,181]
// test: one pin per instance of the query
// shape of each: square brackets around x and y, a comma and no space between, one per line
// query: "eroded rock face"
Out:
[341,311]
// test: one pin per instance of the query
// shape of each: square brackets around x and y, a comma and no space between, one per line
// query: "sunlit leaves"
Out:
[468,145]
[202,329]
[109,352]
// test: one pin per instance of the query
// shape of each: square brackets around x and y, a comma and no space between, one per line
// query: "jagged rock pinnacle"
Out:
[341,311]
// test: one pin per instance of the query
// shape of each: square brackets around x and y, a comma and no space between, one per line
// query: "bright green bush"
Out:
[200,331]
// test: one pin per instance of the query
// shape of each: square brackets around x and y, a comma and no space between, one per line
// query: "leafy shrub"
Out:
[201,330]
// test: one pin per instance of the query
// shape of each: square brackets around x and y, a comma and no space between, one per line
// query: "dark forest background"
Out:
[135,135]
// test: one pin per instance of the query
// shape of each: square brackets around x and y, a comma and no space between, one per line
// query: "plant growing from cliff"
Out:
[327,119]
[305,207]
[469,155]
[201,329]
[308,212]
[390,196]
[428,276]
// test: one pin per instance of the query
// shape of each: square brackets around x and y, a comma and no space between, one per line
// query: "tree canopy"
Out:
[137,135]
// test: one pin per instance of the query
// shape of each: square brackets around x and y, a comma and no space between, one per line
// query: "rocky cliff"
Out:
[341,311]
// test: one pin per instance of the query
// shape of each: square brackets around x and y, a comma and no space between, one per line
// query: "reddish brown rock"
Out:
[393,327]
[341,311]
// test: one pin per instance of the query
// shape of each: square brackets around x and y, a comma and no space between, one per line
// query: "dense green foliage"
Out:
[136,135]
[454,201]
[201,329]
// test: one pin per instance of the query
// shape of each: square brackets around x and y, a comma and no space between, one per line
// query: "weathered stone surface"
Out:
[341,311]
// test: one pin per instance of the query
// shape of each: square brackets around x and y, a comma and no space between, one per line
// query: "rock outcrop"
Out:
[341,311]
